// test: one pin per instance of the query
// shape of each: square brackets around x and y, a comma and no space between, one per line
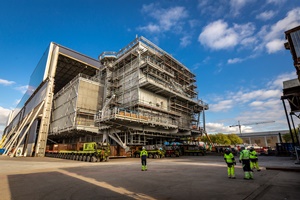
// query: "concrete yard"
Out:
[199,177]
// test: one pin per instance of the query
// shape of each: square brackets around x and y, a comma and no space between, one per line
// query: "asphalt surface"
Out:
[186,177]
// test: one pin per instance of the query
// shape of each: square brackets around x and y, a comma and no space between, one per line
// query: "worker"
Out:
[144,155]
[253,159]
[245,159]
[230,161]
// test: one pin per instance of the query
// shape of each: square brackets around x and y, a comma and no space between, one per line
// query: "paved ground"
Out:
[201,177]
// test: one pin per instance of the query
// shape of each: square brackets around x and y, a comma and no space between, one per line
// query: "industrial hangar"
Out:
[139,95]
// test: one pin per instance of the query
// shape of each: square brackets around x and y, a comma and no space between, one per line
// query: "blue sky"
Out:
[235,48]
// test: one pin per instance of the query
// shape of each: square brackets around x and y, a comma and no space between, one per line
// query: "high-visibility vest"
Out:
[229,157]
[253,154]
[245,155]
[143,153]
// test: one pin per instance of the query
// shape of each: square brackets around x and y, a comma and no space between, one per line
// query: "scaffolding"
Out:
[154,96]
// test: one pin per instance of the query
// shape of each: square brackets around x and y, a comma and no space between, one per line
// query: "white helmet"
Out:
[143,148]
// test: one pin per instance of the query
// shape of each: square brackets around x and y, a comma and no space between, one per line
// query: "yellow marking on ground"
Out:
[105,185]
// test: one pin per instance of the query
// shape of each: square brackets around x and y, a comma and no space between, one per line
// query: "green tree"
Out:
[205,139]
[234,139]
[211,136]
[222,139]
[288,138]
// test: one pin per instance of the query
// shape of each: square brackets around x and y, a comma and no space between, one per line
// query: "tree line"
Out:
[225,139]
[234,139]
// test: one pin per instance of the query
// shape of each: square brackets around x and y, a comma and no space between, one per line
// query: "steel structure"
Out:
[140,95]
[291,88]
[150,96]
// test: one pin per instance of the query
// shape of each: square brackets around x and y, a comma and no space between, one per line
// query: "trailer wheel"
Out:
[80,158]
[88,159]
[84,158]
[93,159]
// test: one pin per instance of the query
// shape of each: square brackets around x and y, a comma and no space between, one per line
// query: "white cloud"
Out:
[219,128]
[217,7]
[237,5]
[167,19]
[218,35]
[275,45]
[239,60]
[234,60]
[185,41]
[269,104]
[253,106]
[213,128]
[277,83]
[256,103]
[249,41]
[22,89]
[3,115]
[274,34]
[244,30]
[265,15]
[273,103]
[221,106]
[194,23]
[202,3]
[261,94]
[153,28]
[6,82]
[278,2]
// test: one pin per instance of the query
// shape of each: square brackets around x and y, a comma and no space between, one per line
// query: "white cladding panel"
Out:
[90,96]
[64,107]
[153,99]
[76,105]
